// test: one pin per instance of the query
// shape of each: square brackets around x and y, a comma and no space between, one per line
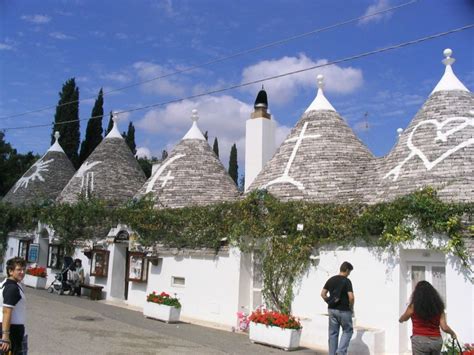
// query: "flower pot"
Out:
[287,339]
[34,281]
[161,312]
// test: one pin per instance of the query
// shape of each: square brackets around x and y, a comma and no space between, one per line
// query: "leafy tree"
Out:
[110,125]
[233,166]
[94,129]
[147,164]
[130,138]
[67,110]
[12,164]
[215,147]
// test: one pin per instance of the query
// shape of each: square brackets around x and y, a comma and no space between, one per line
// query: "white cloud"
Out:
[5,47]
[143,152]
[380,5]
[117,77]
[36,19]
[282,90]
[121,35]
[167,7]
[223,117]
[163,86]
[60,35]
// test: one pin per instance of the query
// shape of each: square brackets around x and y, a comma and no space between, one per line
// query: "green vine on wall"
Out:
[264,226]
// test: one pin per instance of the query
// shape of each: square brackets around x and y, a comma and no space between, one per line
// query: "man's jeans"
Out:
[338,319]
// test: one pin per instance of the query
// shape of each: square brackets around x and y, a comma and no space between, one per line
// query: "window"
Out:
[137,267]
[23,249]
[431,272]
[178,281]
[55,256]
[100,263]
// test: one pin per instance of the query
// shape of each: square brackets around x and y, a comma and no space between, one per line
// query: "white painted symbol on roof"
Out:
[38,168]
[158,173]
[285,178]
[87,177]
[166,178]
[440,136]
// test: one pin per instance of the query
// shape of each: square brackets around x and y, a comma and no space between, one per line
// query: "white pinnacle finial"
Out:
[194,116]
[56,147]
[194,132]
[399,131]
[320,102]
[320,80]
[114,132]
[449,81]
[448,60]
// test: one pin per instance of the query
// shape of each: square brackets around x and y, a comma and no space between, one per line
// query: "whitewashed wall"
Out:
[211,291]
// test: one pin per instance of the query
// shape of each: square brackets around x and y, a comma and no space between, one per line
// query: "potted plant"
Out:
[35,277]
[162,307]
[275,328]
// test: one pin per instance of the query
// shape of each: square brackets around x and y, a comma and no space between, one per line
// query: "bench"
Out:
[96,291]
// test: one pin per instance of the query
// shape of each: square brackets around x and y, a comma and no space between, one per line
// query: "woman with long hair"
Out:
[426,310]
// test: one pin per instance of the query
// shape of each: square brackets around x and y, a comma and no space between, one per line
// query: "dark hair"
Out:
[426,301]
[14,262]
[78,261]
[346,266]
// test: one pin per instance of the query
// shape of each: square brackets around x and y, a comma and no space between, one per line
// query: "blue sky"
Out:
[112,44]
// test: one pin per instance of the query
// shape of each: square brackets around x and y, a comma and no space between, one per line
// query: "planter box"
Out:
[167,314]
[287,339]
[34,281]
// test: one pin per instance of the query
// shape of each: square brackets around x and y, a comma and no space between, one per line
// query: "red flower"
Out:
[38,271]
[273,318]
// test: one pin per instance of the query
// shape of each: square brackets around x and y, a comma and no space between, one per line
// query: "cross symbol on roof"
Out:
[166,178]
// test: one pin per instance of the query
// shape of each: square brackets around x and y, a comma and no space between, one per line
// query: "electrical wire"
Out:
[236,86]
[221,59]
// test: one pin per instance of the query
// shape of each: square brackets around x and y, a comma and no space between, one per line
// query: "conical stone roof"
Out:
[321,160]
[436,149]
[110,173]
[44,180]
[191,175]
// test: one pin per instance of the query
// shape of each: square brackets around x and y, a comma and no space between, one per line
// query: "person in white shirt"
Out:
[13,316]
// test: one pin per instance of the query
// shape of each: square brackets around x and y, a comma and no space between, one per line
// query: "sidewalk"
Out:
[76,325]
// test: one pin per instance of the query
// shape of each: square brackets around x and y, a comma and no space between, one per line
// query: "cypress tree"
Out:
[164,154]
[110,125]
[215,147]
[68,110]
[205,136]
[130,138]
[94,129]
[233,166]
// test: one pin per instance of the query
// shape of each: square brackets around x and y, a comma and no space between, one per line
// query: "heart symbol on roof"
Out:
[442,135]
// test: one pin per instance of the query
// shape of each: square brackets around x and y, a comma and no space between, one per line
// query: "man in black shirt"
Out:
[340,302]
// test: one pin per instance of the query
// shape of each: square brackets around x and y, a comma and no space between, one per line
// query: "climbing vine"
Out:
[264,226]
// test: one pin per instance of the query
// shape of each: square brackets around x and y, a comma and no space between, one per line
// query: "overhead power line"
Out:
[236,86]
[224,58]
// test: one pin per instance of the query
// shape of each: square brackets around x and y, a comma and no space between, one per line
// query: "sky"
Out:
[115,44]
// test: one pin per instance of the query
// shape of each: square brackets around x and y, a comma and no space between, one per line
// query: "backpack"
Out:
[335,296]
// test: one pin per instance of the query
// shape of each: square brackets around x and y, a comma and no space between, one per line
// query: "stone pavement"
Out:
[72,325]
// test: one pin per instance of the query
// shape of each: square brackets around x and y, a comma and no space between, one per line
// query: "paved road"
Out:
[72,325]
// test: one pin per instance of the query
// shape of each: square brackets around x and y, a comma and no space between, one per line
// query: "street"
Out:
[73,325]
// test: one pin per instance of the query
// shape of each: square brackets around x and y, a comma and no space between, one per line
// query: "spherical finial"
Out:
[57,135]
[399,131]
[447,52]
[194,116]
[320,80]
[448,60]
[115,116]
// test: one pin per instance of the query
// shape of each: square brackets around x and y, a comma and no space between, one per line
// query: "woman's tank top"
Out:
[427,328]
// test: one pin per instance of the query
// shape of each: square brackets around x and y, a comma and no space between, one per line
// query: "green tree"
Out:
[12,164]
[94,129]
[233,166]
[67,110]
[110,125]
[215,147]
[205,136]
[130,138]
